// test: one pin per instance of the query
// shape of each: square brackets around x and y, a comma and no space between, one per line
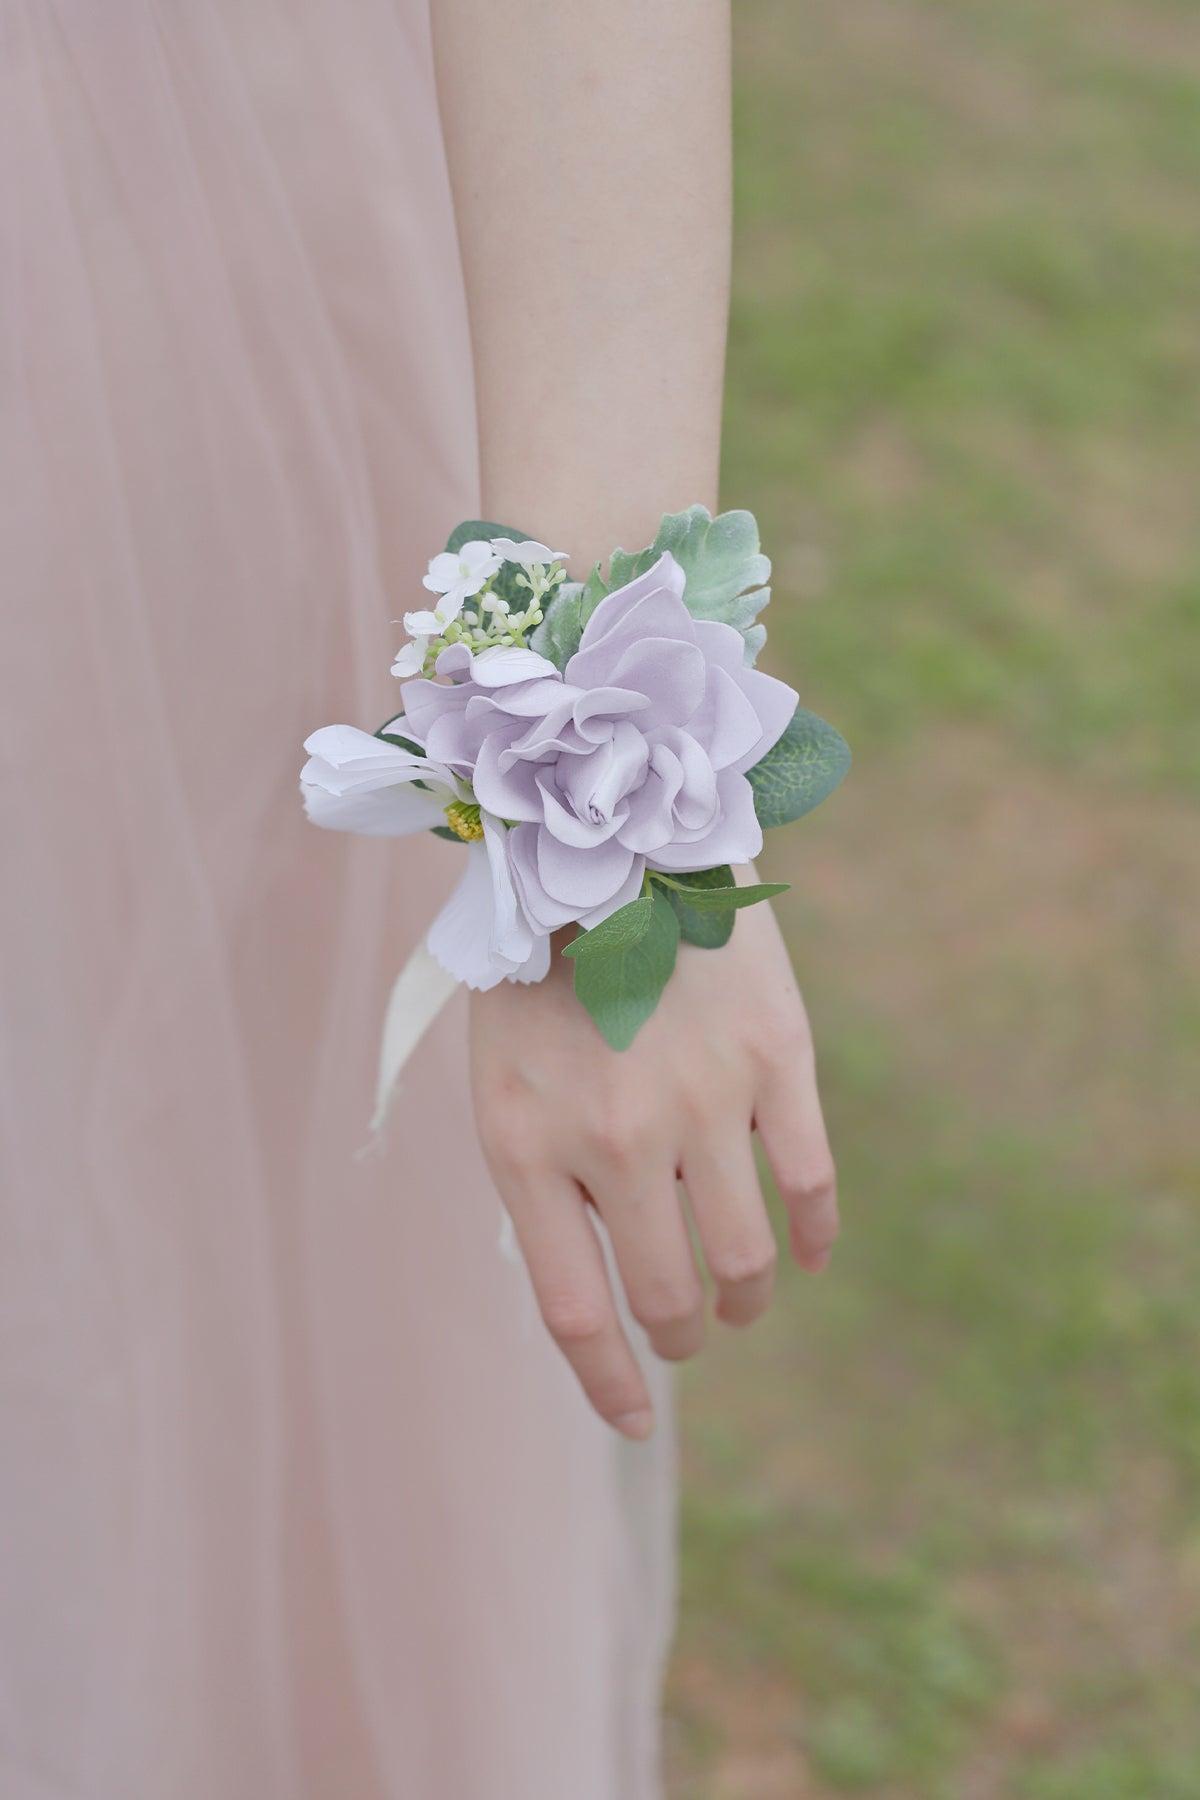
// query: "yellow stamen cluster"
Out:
[463,819]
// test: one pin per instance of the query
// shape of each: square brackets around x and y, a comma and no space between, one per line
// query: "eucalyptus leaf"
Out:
[620,983]
[799,771]
[621,929]
[707,929]
[729,899]
[706,902]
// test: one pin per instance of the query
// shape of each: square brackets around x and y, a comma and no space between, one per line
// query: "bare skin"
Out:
[589,151]
[565,1121]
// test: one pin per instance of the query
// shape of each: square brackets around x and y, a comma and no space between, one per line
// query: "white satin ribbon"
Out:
[422,989]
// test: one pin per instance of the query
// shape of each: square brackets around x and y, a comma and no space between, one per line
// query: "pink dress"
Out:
[296,1500]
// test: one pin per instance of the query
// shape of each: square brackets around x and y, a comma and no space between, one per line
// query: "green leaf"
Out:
[799,771]
[722,562]
[706,902]
[726,899]
[401,743]
[620,984]
[617,932]
[559,633]
[707,928]
[470,529]
[568,612]
[723,566]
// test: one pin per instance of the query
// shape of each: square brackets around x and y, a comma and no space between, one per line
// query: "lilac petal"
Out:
[775,703]
[629,890]
[505,663]
[670,673]
[566,825]
[665,577]
[533,699]
[546,913]
[454,660]
[595,784]
[726,722]
[555,732]
[425,701]
[506,785]
[455,738]
[734,837]
[593,710]
[581,878]
[696,801]
[722,645]
[651,822]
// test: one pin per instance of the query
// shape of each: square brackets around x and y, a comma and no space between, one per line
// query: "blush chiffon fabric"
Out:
[296,1499]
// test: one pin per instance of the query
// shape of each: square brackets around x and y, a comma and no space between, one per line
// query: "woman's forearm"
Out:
[589,151]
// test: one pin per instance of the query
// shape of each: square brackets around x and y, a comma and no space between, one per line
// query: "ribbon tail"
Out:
[422,989]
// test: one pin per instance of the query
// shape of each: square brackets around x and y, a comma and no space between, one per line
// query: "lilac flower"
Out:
[634,756]
[355,782]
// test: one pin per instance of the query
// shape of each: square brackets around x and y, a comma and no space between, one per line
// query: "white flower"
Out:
[410,658]
[527,552]
[355,782]
[457,574]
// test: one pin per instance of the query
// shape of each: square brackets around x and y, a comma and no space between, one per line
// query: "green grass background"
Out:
[942,1509]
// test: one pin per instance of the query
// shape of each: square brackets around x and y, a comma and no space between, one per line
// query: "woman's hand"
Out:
[564,1120]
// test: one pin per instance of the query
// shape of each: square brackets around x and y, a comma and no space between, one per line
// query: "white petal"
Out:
[505,663]
[443,572]
[460,936]
[538,965]
[478,557]
[410,658]
[511,935]
[526,552]
[423,624]
[356,782]
[393,811]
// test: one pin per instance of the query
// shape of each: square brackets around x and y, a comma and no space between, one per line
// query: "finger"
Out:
[727,1205]
[574,1296]
[792,1129]
[649,1235]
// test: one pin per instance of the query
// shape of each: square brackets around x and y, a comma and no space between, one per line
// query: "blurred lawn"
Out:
[942,1521]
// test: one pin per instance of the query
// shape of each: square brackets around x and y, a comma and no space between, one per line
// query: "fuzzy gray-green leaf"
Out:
[724,568]
[620,985]
[799,771]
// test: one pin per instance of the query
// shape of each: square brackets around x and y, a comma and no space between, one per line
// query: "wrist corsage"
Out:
[604,751]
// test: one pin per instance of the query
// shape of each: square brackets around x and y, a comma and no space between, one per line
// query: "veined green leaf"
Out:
[799,771]
[617,932]
[620,983]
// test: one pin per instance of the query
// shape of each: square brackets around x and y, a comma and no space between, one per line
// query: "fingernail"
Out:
[819,1262]
[635,1424]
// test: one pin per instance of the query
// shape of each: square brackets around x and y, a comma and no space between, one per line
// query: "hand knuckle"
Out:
[665,1303]
[743,1260]
[573,1318]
